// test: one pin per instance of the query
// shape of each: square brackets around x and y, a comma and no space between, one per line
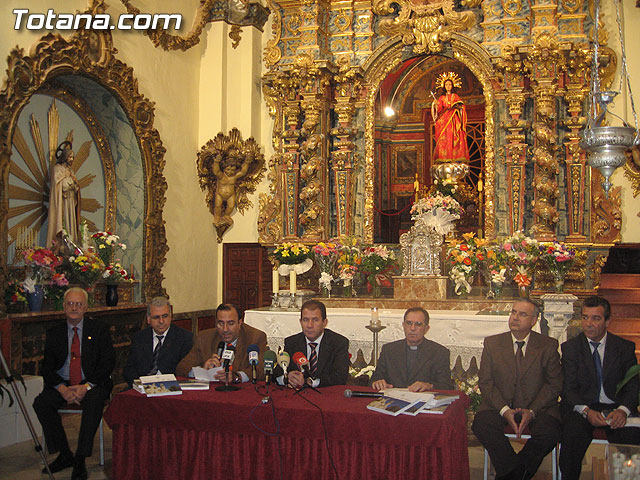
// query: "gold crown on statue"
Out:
[453,76]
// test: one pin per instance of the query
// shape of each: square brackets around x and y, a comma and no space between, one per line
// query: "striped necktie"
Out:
[313,359]
[156,353]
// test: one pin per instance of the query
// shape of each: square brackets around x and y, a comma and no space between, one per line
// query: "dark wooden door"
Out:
[247,275]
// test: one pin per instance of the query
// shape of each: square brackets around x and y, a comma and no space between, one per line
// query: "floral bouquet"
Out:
[378,263]
[494,263]
[56,289]
[86,268]
[293,257]
[438,212]
[326,255]
[14,292]
[558,258]
[107,245]
[471,388]
[464,260]
[115,274]
[41,263]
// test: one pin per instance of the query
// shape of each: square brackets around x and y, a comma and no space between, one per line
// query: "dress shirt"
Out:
[515,350]
[155,343]
[316,381]
[64,370]
[603,396]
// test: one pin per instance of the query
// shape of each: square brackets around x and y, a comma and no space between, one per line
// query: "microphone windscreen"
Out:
[231,347]
[284,359]
[347,393]
[253,354]
[270,356]
[299,358]
[253,348]
[220,348]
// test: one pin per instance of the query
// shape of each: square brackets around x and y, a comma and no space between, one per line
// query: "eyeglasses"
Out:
[414,324]
[76,304]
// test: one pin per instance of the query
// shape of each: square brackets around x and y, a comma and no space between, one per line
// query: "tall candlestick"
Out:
[292,282]
[275,280]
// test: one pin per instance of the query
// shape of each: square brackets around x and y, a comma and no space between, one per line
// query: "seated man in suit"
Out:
[520,381]
[593,363]
[415,362]
[77,366]
[210,344]
[158,348]
[327,351]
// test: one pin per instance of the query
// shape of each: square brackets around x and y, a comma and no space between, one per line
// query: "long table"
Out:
[210,434]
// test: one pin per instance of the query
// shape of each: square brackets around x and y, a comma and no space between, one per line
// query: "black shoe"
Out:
[63,461]
[79,470]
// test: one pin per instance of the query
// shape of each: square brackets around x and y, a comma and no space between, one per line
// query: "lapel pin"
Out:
[88,338]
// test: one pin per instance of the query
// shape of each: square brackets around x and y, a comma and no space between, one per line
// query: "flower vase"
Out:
[558,280]
[376,290]
[497,289]
[36,298]
[523,291]
[111,298]
[326,293]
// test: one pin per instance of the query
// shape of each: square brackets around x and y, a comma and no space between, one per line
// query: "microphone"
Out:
[220,349]
[269,362]
[302,362]
[284,360]
[227,356]
[253,360]
[348,394]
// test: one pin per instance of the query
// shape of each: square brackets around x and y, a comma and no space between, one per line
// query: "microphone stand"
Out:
[226,387]
[306,384]
[11,381]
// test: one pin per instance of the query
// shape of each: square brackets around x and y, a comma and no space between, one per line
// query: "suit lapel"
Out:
[324,354]
[401,366]
[587,359]
[532,352]
[609,362]
[507,355]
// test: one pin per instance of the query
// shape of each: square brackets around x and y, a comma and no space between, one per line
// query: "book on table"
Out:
[160,385]
[390,405]
[192,384]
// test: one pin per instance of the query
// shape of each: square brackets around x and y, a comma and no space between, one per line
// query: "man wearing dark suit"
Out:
[594,362]
[230,329]
[159,348]
[327,352]
[77,366]
[520,380]
[415,362]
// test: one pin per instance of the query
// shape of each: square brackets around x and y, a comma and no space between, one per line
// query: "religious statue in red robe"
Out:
[450,117]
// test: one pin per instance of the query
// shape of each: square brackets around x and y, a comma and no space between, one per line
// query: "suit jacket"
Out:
[176,345]
[432,365]
[98,356]
[333,357]
[580,382]
[541,379]
[207,343]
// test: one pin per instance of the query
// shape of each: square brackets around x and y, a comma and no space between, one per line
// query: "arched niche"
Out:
[384,60]
[87,61]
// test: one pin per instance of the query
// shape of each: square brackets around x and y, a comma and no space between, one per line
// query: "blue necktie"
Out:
[598,363]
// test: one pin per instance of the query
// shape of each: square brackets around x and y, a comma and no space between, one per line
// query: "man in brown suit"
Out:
[520,380]
[230,330]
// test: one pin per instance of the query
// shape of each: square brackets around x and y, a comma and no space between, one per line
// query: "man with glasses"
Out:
[230,330]
[77,366]
[520,381]
[159,348]
[415,363]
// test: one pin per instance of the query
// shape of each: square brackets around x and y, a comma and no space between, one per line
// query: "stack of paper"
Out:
[400,400]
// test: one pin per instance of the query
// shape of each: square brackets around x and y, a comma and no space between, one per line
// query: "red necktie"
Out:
[313,359]
[75,364]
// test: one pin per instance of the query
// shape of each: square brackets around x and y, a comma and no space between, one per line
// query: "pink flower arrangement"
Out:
[41,263]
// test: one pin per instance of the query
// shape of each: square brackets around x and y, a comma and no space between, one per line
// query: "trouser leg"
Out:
[46,406]
[545,435]
[488,426]
[92,406]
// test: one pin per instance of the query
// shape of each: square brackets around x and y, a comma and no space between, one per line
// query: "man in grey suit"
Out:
[520,380]
[415,362]
[159,348]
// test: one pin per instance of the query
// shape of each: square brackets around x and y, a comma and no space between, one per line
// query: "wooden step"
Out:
[622,295]
[624,324]
[619,280]
[625,310]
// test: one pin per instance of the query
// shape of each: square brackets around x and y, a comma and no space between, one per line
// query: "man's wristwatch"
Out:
[585,412]
[236,377]
[88,385]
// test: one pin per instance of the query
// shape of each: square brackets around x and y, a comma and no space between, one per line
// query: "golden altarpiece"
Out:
[326,85]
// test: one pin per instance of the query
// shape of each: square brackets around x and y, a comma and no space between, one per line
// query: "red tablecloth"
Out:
[210,434]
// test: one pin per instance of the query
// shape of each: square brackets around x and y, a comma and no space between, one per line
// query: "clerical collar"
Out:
[413,347]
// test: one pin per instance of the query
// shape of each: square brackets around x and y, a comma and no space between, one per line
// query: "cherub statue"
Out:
[226,188]
[229,168]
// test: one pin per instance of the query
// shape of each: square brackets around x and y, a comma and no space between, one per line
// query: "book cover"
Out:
[159,389]
[193,385]
[434,410]
[389,406]
[414,409]
[442,399]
